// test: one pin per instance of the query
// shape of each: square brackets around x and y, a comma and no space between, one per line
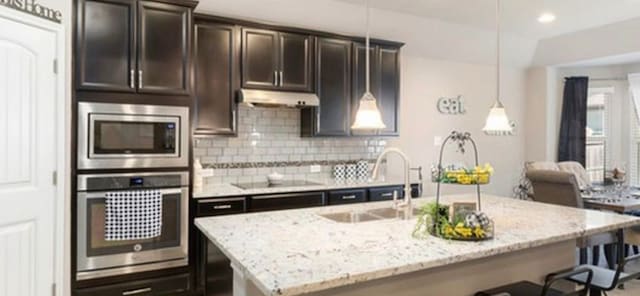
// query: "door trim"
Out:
[62,271]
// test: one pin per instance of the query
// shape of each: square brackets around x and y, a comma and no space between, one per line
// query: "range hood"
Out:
[270,98]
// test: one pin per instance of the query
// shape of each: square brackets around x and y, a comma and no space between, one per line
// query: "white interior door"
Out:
[27,159]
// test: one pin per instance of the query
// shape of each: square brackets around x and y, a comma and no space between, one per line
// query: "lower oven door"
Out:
[97,257]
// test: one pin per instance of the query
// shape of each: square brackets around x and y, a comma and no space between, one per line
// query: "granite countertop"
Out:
[296,251]
[224,190]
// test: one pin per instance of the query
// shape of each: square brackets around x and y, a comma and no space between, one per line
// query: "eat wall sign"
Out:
[452,106]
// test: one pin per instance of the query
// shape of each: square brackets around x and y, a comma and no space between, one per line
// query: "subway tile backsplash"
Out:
[269,141]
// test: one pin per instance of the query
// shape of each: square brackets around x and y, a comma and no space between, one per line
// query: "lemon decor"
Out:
[478,175]
[474,226]
[471,225]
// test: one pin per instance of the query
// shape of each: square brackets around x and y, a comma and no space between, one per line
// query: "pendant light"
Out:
[368,115]
[497,121]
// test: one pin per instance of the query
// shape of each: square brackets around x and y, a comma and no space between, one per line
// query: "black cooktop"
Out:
[286,183]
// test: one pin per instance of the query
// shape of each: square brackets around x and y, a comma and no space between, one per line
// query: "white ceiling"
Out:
[518,16]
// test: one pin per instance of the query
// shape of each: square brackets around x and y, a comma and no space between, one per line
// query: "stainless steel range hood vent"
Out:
[278,98]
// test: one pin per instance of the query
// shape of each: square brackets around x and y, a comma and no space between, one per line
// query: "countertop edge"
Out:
[343,280]
[293,189]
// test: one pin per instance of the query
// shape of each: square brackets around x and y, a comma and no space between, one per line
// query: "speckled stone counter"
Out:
[297,251]
[224,190]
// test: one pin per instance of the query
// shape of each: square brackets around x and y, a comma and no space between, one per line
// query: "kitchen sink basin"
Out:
[351,217]
[372,215]
[391,213]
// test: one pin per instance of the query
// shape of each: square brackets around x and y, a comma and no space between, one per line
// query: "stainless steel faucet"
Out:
[407,169]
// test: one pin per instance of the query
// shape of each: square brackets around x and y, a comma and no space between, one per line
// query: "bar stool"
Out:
[594,279]
[526,288]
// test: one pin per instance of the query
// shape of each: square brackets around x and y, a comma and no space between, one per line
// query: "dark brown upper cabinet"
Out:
[385,84]
[333,87]
[217,77]
[276,61]
[163,52]
[105,45]
[388,61]
[295,61]
[133,46]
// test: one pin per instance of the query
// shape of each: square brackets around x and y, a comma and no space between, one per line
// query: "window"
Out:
[634,116]
[597,127]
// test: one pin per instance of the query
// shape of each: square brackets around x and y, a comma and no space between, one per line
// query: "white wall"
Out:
[425,37]
[424,80]
[611,40]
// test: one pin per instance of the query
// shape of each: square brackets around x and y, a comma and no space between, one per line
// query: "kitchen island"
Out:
[298,252]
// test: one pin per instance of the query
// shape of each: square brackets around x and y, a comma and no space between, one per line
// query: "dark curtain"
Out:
[573,137]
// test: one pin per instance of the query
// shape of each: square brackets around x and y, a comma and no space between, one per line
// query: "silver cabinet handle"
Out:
[221,207]
[136,292]
[139,78]
[349,197]
[233,120]
[387,194]
[275,78]
[132,79]
[281,78]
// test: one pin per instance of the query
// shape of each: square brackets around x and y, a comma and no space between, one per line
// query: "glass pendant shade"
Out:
[368,115]
[497,121]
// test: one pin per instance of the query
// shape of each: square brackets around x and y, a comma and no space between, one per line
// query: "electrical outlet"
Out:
[315,168]
[206,173]
[437,141]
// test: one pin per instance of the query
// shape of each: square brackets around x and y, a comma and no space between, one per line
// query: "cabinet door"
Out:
[287,201]
[295,61]
[163,48]
[259,59]
[105,47]
[340,197]
[333,87]
[359,81]
[161,286]
[385,193]
[220,206]
[389,88]
[216,78]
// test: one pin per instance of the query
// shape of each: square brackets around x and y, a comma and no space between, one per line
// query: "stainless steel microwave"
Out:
[126,136]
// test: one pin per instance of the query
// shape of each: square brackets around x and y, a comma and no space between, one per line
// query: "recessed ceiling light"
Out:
[546,18]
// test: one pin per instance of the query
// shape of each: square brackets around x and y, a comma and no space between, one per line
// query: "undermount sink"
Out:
[390,213]
[351,217]
[371,215]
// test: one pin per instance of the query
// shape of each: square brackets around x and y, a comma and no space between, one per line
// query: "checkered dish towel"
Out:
[133,215]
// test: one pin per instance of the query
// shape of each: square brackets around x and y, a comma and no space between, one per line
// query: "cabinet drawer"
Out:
[152,287]
[385,193]
[347,196]
[220,206]
[286,201]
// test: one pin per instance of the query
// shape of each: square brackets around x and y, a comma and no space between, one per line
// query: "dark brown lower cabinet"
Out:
[385,193]
[217,78]
[340,197]
[162,286]
[215,276]
[287,201]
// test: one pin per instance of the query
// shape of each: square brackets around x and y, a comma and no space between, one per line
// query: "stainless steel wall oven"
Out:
[98,257]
